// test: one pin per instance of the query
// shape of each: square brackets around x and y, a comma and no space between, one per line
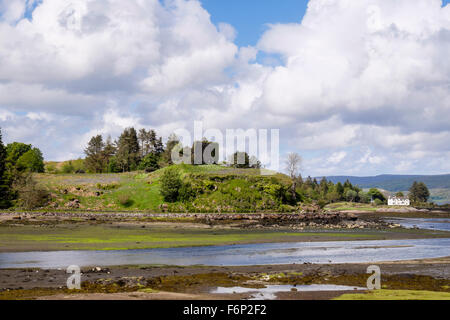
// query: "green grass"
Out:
[352,206]
[397,295]
[219,189]
[110,237]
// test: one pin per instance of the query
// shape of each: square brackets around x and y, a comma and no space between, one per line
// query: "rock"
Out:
[74,204]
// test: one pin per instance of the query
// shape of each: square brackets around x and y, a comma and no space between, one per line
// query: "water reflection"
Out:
[239,255]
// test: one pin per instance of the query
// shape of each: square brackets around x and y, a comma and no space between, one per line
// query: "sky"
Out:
[355,87]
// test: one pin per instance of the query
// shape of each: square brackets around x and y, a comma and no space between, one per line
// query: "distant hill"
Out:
[395,183]
[439,185]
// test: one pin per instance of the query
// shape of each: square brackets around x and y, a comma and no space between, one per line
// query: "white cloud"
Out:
[337,157]
[366,81]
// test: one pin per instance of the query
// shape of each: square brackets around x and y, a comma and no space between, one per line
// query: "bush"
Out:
[149,163]
[124,199]
[378,202]
[322,203]
[286,208]
[29,195]
[110,186]
[171,184]
[51,168]
[186,192]
[67,167]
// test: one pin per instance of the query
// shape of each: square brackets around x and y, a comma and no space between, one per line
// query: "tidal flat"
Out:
[71,235]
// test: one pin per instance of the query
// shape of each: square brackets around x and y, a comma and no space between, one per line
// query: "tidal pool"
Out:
[239,255]
[270,291]
[430,224]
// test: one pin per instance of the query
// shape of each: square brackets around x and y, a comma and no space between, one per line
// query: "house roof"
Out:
[398,198]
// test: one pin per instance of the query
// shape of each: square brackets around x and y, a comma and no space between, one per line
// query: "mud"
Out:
[197,282]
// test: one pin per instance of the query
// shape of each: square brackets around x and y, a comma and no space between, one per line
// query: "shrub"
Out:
[170,184]
[108,186]
[149,163]
[124,199]
[378,202]
[186,192]
[29,195]
[322,203]
[51,168]
[68,167]
[286,208]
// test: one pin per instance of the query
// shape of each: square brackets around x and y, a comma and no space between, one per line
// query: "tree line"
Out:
[18,161]
[133,150]
[145,150]
[325,191]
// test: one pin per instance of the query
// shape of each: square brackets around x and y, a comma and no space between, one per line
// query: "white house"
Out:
[398,201]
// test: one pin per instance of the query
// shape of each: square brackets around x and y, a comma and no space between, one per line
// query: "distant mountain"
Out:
[395,183]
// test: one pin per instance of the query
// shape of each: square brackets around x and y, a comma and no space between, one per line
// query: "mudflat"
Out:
[172,282]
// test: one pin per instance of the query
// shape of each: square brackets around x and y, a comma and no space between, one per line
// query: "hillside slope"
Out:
[217,189]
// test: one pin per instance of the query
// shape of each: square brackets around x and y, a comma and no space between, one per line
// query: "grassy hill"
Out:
[218,189]
[439,185]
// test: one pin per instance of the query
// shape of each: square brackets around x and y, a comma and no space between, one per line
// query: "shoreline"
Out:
[190,283]
[52,231]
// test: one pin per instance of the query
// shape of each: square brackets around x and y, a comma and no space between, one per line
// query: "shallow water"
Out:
[239,255]
[430,224]
[270,291]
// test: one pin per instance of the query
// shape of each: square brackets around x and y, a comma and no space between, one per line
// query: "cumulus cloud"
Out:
[363,86]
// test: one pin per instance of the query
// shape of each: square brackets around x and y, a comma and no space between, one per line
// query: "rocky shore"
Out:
[156,282]
[298,221]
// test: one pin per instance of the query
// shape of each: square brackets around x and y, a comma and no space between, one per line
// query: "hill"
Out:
[217,189]
[439,185]
[395,183]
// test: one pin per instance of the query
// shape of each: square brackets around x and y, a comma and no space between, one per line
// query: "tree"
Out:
[323,186]
[95,161]
[243,160]
[376,194]
[4,185]
[340,190]
[150,143]
[150,163]
[31,161]
[399,194]
[351,195]
[205,152]
[108,152]
[13,152]
[419,192]
[293,163]
[166,156]
[128,154]
[170,184]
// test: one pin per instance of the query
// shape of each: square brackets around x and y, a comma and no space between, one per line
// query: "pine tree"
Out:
[94,155]
[110,149]
[128,150]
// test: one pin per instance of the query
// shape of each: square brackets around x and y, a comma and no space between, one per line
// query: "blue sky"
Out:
[249,17]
